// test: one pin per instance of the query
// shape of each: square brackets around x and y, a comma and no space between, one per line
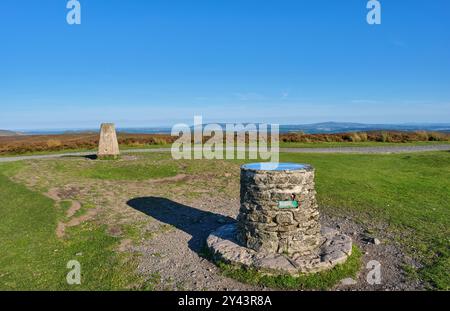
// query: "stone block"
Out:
[108,145]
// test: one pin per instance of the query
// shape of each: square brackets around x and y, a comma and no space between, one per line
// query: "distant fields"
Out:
[408,194]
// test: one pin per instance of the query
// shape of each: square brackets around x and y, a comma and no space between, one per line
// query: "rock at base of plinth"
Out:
[335,249]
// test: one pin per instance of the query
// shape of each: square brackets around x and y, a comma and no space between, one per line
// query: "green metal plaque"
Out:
[287,204]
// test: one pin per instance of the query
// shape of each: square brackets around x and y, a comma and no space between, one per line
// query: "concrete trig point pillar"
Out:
[108,146]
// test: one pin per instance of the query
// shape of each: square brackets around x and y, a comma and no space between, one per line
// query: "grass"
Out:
[32,258]
[129,172]
[322,280]
[112,170]
[409,193]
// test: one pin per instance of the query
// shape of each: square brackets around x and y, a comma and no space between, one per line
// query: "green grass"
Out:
[114,170]
[128,172]
[410,193]
[131,172]
[322,280]
[32,258]
[65,205]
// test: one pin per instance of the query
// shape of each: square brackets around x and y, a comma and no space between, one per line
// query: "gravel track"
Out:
[360,150]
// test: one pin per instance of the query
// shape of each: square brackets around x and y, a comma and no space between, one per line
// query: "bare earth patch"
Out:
[58,194]
[76,206]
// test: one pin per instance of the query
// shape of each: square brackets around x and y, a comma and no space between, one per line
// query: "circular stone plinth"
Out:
[278,211]
[335,248]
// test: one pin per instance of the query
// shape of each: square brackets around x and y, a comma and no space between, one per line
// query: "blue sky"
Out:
[157,62]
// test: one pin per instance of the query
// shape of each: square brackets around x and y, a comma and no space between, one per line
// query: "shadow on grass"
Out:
[195,222]
[89,156]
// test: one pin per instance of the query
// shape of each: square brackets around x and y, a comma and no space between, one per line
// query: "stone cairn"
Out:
[278,228]
[108,146]
[264,224]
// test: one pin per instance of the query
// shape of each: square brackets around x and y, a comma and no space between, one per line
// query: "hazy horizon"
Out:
[166,127]
[167,124]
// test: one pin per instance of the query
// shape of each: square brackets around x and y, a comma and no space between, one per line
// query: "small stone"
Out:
[348,282]
[371,240]
[79,254]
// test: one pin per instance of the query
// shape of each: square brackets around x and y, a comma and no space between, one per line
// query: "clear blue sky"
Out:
[156,62]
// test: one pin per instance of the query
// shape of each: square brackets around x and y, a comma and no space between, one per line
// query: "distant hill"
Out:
[348,127]
[315,128]
[9,133]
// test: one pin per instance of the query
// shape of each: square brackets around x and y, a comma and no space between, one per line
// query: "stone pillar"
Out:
[108,145]
[278,212]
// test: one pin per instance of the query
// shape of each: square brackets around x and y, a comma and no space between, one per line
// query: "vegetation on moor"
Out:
[89,141]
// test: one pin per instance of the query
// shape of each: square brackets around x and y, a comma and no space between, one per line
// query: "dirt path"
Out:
[361,150]
[175,255]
